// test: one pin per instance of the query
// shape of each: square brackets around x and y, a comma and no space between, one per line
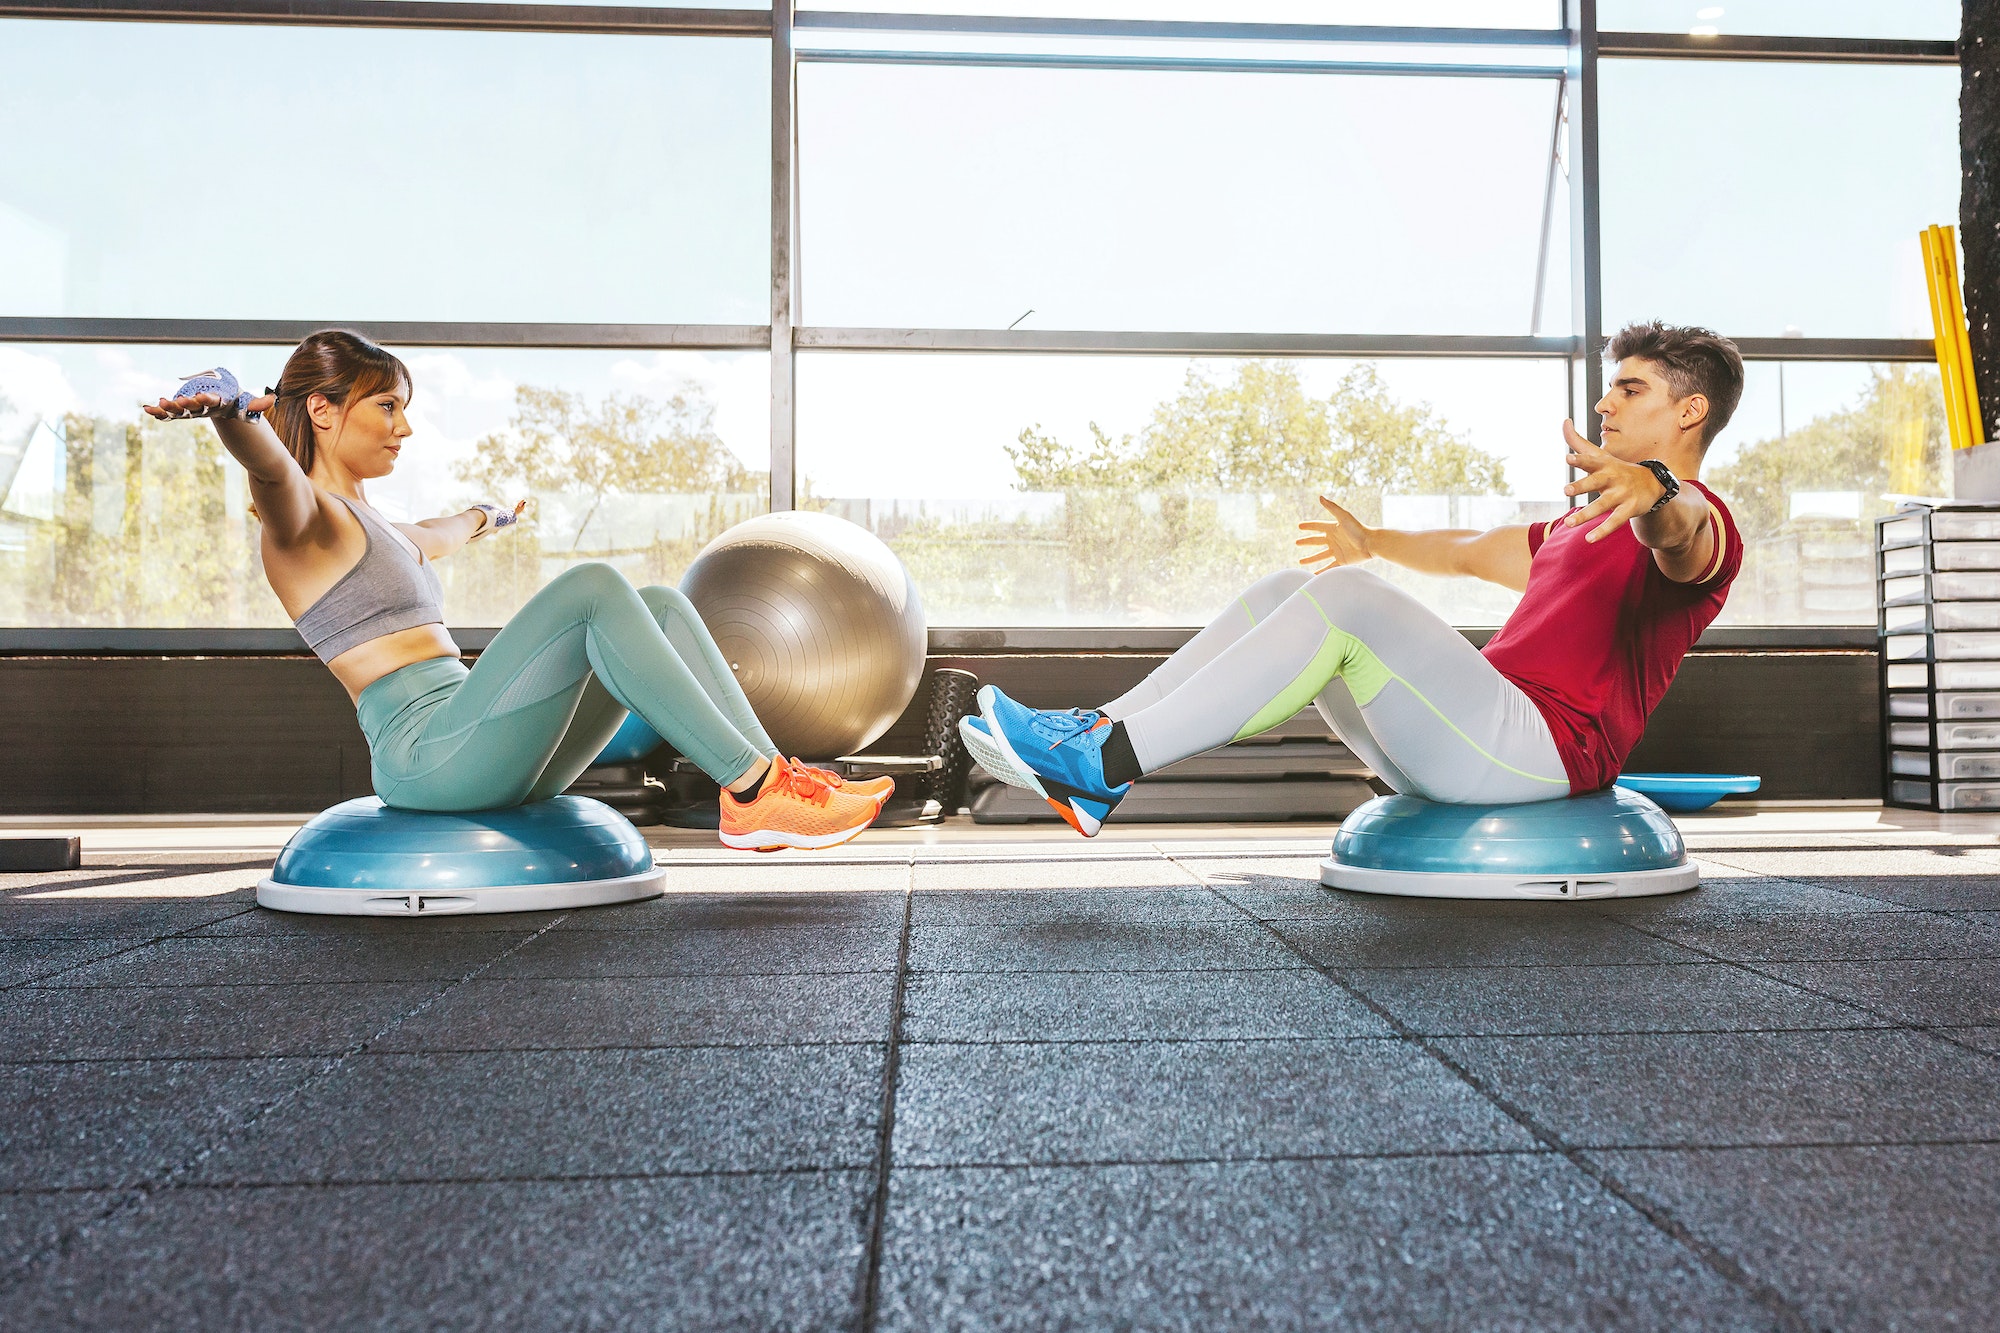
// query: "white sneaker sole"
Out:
[769,840]
[997,757]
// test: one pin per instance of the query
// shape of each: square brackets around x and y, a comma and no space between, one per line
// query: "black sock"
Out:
[1120,764]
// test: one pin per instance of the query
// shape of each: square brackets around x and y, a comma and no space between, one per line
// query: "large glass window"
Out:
[1094,199]
[1124,490]
[1815,453]
[108,518]
[1760,198]
[1387,200]
[196,171]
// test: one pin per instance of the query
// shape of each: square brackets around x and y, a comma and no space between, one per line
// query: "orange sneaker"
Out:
[878,790]
[793,808]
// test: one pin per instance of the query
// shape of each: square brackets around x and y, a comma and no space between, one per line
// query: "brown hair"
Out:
[337,365]
[1695,360]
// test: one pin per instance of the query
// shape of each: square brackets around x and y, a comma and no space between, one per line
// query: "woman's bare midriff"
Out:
[365,663]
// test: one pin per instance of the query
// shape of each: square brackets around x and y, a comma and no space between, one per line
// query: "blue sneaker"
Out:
[1054,753]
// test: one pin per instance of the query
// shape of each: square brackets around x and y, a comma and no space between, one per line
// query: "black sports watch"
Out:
[1667,479]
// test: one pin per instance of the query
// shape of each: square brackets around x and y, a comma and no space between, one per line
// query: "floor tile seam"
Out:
[1292,1039]
[1401,1037]
[1660,1218]
[686,976]
[517,1178]
[426,981]
[119,953]
[869,1276]
[1072,919]
[1114,971]
[112,881]
[137,1196]
[634,933]
[1888,905]
[1244,1159]
[1799,1145]
[1938,1032]
[627,1048]
[1837,962]
[1235,968]
[858,1043]
[1861,842]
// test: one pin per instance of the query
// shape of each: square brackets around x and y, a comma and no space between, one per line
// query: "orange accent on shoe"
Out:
[878,790]
[1069,816]
[793,808]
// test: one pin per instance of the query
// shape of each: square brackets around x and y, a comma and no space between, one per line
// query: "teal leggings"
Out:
[546,696]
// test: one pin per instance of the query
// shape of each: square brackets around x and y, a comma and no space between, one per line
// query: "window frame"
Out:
[1575,140]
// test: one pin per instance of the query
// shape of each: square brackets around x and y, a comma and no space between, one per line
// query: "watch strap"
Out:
[1668,480]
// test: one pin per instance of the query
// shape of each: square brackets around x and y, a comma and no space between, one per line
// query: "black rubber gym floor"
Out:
[1018,1085]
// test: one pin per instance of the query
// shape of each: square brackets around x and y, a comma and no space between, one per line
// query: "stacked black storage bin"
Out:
[1937,579]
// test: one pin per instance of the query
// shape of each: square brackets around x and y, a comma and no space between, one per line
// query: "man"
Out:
[1614,594]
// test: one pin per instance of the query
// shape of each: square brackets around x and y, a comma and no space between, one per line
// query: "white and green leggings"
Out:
[1400,687]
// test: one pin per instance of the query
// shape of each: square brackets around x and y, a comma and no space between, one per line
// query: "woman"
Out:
[539,704]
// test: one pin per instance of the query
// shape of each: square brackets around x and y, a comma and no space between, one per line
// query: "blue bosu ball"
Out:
[1609,844]
[633,741]
[362,858]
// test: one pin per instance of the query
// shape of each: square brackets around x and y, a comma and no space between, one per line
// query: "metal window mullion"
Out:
[451,15]
[1179,65]
[1836,349]
[410,333]
[1586,220]
[1085,341]
[1195,30]
[784,256]
[1813,50]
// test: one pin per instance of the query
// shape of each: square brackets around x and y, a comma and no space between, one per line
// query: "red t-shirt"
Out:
[1599,634]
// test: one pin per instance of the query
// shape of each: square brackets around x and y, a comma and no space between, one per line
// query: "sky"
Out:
[631,186]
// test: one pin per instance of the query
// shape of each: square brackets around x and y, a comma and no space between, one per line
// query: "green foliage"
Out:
[625,444]
[1206,498]
[587,464]
[143,534]
[1847,450]
[1262,432]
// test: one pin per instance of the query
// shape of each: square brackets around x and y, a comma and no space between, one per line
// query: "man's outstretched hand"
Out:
[1624,490]
[1343,541]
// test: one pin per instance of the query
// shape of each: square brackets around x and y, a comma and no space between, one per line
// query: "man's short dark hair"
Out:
[1694,360]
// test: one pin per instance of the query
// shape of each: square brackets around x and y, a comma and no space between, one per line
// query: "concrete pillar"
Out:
[1979,195]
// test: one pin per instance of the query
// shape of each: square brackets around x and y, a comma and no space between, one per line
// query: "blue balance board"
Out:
[362,857]
[1684,792]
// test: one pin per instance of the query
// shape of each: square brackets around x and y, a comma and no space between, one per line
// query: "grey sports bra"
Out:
[388,589]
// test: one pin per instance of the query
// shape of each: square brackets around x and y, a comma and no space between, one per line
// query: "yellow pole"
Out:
[1961,333]
[1947,357]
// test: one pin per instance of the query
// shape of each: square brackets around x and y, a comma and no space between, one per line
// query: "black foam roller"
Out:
[954,694]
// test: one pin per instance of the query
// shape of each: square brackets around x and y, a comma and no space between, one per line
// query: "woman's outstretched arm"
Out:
[286,502]
[439,537]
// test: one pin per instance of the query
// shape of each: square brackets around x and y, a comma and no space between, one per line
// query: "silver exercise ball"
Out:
[821,624]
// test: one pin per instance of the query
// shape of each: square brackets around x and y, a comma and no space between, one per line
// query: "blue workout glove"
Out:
[497,518]
[235,401]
